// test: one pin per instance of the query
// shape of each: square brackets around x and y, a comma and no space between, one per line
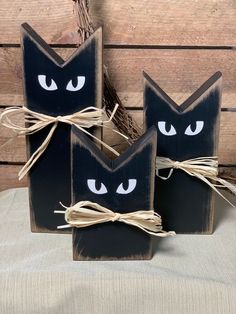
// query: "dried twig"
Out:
[122,119]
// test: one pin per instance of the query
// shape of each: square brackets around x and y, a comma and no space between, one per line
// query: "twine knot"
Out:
[58,119]
[176,164]
[116,217]
[86,213]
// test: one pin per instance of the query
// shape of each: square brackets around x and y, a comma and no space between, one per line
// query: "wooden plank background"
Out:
[178,43]
[146,22]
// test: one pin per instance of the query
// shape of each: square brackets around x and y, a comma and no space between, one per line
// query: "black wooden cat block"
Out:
[56,88]
[184,132]
[123,185]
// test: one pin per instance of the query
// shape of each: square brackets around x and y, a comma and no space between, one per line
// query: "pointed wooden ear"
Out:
[82,145]
[144,148]
[33,45]
[209,93]
[154,97]
[93,46]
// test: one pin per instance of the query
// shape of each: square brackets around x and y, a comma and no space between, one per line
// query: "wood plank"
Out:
[131,22]
[179,72]
[227,147]
[228,173]
[9,179]
[60,27]
[166,22]
[184,203]
[54,169]
[14,151]
[112,241]
[12,148]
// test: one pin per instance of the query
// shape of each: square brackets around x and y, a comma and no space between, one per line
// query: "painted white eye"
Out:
[92,186]
[199,126]
[44,84]
[131,186]
[163,130]
[79,84]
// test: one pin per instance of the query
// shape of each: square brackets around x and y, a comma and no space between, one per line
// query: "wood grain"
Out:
[14,151]
[178,72]
[184,203]
[54,20]
[112,240]
[8,177]
[227,147]
[52,174]
[165,22]
[229,173]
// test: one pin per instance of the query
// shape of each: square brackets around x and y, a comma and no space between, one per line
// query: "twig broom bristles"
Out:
[122,119]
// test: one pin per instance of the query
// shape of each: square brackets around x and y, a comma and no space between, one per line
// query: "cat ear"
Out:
[142,150]
[35,47]
[207,95]
[154,98]
[92,49]
[86,150]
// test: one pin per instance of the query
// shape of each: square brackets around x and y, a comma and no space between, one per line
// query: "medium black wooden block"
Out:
[123,185]
[187,131]
[56,87]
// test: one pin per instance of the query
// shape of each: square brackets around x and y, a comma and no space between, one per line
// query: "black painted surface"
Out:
[184,202]
[50,177]
[113,239]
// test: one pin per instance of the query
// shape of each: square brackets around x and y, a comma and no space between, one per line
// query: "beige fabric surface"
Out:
[188,273]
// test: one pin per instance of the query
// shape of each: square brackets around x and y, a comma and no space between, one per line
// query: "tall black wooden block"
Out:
[56,87]
[184,132]
[123,185]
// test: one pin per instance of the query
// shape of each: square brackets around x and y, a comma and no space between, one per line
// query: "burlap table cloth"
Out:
[188,273]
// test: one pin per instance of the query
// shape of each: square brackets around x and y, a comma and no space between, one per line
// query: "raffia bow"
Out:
[203,168]
[86,213]
[84,119]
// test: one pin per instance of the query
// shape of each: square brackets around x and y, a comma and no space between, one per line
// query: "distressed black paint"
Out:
[50,177]
[184,202]
[113,240]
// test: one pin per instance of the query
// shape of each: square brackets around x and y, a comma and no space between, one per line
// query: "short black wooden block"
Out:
[184,132]
[123,185]
[56,87]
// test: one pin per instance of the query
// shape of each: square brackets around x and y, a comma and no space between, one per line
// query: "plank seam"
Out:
[227,109]
[11,163]
[20,163]
[135,46]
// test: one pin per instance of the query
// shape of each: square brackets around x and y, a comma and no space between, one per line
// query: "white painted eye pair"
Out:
[171,131]
[51,85]
[103,190]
